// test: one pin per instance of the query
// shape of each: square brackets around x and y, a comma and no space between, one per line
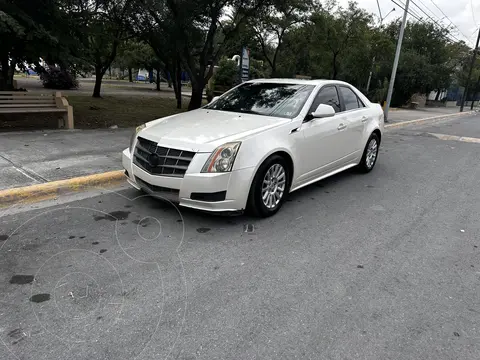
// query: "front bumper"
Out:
[236,184]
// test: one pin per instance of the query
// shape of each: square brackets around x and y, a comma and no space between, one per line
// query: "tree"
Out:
[131,55]
[29,29]
[339,30]
[274,23]
[227,73]
[427,62]
[103,25]
[198,35]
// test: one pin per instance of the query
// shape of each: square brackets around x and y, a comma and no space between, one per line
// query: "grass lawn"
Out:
[91,113]
[124,111]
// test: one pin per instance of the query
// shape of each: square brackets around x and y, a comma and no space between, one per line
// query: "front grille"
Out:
[171,162]
[154,188]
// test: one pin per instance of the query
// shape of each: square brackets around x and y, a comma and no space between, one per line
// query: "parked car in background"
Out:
[253,145]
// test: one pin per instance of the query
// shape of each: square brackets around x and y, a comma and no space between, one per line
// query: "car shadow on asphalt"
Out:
[226,220]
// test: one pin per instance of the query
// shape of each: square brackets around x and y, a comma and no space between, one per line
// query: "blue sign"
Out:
[245,64]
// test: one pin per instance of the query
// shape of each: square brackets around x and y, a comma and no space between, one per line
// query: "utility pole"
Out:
[395,61]
[475,92]
[374,58]
[474,57]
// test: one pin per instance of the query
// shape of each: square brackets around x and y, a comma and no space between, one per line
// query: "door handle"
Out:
[341,127]
[364,119]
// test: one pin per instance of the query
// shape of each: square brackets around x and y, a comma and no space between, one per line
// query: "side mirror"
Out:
[323,111]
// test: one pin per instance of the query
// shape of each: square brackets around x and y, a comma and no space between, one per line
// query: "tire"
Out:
[276,168]
[367,163]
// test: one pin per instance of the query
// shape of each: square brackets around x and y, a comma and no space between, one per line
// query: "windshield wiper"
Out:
[249,112]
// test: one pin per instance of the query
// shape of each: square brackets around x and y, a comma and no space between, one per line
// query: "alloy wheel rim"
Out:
[273,186]
[371,153]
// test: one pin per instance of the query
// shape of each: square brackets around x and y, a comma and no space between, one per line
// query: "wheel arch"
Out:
[379,134]
[283,153]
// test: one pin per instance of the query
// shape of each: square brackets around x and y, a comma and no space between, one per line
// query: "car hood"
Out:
[204,129]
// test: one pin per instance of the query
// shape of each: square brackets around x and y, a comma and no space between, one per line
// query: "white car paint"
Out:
[318,148]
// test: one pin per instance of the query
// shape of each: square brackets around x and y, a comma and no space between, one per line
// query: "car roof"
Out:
[299,81]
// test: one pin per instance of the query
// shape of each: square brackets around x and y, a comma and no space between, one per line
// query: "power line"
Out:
[418,18]
[451,22]
[473,13]
[435,21]
[426,7]
[413,15]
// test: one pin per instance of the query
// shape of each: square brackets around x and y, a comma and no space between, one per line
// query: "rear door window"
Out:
[350,99]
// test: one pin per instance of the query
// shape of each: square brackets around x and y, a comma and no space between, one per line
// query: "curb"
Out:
[432,118]
[50,190]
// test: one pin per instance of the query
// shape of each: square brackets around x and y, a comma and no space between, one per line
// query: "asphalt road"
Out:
[378,266]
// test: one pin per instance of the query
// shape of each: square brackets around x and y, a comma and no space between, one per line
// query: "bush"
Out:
[59,79]
[227,73]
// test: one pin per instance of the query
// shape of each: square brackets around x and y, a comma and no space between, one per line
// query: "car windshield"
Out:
[269,99]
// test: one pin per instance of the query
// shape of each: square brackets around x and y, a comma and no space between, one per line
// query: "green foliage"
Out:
[59,79]
[29,29]
[226,73]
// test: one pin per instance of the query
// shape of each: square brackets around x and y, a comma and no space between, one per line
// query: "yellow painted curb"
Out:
[50,190]
[419,121]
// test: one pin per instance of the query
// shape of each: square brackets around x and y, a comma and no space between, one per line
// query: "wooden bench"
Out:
[21,102]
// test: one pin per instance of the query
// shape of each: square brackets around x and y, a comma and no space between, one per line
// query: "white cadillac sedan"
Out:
[249,148]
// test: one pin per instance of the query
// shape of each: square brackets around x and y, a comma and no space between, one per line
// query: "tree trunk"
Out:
[197,95]
[130,75]
[168,73]
[11,72]
[98,82]
[334,67]
[158,79]
[273,73]
[475,92]
[177,83]
[6,81]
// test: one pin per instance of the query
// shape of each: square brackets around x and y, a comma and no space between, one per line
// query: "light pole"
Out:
[395,61]
[373,60]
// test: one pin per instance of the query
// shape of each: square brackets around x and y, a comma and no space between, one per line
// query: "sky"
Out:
[464,14]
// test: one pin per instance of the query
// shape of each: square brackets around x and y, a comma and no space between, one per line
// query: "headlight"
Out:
[134,135]
[222,159]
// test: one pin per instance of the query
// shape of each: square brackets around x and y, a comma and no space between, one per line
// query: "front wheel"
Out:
[269,187]
[370,154]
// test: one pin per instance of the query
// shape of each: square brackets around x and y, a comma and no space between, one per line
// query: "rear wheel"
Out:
[370,154]
[270,187]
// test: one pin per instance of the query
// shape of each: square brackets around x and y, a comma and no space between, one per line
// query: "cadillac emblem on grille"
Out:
[160,160]
[153,159]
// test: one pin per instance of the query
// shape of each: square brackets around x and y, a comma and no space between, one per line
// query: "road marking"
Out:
[456,138]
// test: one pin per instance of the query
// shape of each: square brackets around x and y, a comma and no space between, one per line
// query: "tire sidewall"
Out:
[256,205]
[363,163]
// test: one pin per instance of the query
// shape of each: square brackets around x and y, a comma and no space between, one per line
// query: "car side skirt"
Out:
[336,171]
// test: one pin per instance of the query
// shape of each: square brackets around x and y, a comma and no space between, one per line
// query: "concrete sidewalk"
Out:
[36,157]
[399,114]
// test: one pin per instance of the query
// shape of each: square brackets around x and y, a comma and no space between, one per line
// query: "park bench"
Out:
[413,105]
[21,102]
